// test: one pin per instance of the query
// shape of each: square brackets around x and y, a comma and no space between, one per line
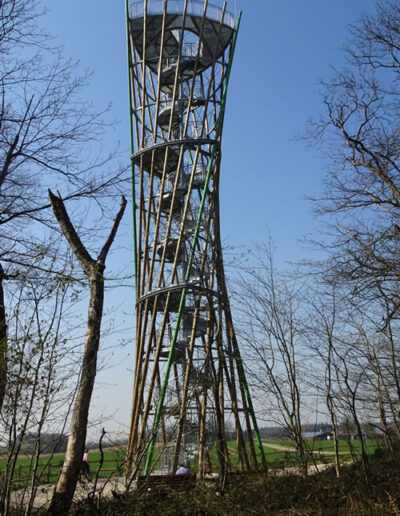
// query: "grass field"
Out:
[320,451]
[323,452]
[49,466]
[113,465]
[328,446]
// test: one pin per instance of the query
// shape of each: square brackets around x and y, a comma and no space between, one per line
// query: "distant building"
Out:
[318,436]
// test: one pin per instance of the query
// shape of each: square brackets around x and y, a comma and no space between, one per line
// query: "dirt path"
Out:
[105,487]
[292,450]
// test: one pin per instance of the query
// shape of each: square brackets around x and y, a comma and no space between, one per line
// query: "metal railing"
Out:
[195,8]
[193,133]
[187,50]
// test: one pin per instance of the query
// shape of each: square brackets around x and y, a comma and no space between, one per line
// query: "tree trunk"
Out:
[66,484]
[3,341]
[94,269]
[330,406]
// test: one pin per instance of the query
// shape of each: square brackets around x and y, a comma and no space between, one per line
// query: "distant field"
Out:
[49,467]
[321,451]
[344,446]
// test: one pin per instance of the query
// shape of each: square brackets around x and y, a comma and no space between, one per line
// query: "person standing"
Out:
[85,468]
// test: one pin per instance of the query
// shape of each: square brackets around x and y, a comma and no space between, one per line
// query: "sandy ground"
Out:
[312,470]
[104,487]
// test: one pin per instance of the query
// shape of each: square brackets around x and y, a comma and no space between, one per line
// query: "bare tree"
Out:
[360,129]
[345,335]
[271,328]
[377,355]
[324,325]
[40,377]
[94,270]
[46,130]
[361,126]
[49,138]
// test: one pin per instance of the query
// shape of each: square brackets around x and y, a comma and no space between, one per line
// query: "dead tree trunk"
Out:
[94,269]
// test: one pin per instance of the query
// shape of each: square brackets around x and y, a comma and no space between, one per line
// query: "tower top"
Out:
[194,8]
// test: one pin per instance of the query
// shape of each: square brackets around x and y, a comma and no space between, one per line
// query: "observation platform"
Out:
[211,31]
[153,155]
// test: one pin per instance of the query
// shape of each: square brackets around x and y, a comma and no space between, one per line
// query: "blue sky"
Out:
[284,48]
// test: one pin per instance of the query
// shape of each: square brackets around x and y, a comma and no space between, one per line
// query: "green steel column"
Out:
[150,451]
[128,42]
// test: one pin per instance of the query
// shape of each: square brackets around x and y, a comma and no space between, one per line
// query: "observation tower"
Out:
[190,388]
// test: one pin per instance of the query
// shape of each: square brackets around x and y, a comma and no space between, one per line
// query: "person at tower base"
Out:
[85,469]
[182,470]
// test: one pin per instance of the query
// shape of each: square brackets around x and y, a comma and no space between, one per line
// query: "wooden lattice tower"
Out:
[189,379]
